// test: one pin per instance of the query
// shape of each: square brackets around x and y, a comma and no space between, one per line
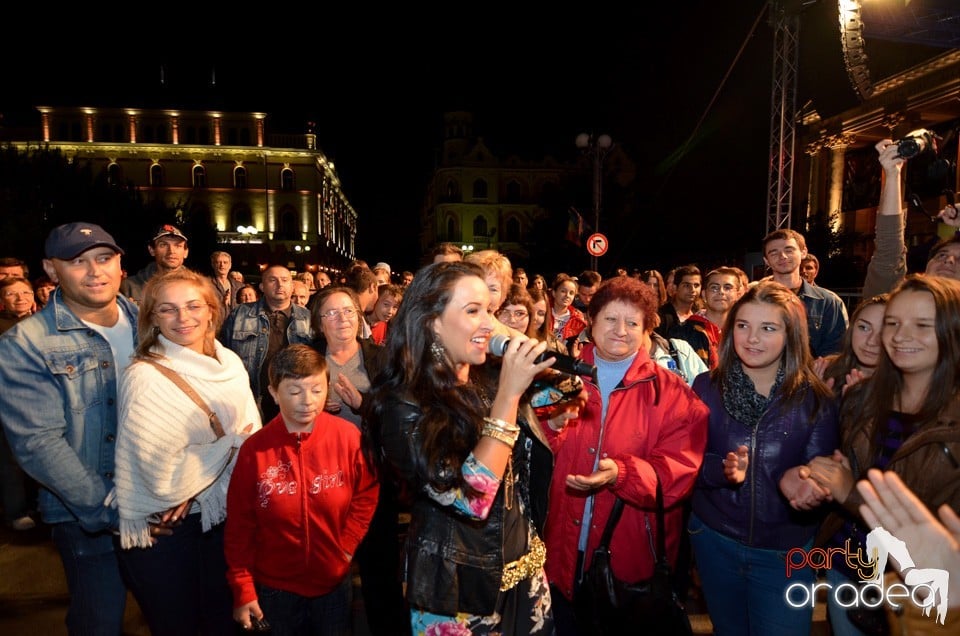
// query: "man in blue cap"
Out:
[60,371]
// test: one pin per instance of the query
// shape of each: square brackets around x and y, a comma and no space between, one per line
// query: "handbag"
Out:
[604,604]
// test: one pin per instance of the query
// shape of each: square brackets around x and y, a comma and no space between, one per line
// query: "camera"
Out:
[914,143]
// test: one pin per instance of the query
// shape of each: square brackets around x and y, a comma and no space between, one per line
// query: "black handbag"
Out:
[605,605]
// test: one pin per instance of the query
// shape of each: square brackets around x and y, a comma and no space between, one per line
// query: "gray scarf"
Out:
[741,399]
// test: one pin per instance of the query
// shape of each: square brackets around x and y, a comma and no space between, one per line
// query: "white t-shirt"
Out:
[120,337]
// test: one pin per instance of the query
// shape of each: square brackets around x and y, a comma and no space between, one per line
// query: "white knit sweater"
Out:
[166,451]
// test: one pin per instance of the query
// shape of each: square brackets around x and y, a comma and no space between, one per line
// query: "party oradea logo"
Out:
[926,588]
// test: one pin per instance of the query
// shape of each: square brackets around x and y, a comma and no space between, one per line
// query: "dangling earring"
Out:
[156,330]
[437,350]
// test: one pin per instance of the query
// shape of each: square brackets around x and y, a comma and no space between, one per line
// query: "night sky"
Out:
[378,81]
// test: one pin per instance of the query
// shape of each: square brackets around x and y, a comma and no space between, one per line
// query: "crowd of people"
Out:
[229,453]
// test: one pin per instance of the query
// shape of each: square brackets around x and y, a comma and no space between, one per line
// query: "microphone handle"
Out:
[568,364]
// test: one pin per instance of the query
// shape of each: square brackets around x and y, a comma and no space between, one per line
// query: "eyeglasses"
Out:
[346,313]
[172,311]
[17,294]
[517,314]
[716,289]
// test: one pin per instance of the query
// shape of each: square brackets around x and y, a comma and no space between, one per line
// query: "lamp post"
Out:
[597,147]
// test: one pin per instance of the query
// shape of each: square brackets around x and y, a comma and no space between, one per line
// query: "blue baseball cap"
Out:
[73,239]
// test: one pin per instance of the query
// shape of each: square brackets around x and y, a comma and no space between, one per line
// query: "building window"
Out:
[204,135]
[244,136]
[479,227]
[513,230]
[231,136]
[479,189]
[105,132]
[163,134]
[146,134]
[453,192]
[514,192]
[199,177]
[286,180]
[240,177]
[114,174]
[156,175]
[289,226]
[451,230]
[118,134]
[190,135]
[241,216]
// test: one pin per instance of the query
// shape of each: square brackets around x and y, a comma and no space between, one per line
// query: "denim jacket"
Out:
[246,332]
[826,319]
[59,411]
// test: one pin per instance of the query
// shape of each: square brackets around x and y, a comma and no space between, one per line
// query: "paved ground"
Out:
[33,593]
[33,590]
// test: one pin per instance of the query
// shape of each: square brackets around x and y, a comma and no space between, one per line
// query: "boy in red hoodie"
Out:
[300,501]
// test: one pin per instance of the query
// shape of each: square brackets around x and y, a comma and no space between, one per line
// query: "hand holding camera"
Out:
[916,142]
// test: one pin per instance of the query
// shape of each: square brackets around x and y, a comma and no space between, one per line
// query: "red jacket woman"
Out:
[640,421]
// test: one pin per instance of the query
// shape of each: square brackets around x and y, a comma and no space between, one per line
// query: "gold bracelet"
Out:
[502,425]
[500,437]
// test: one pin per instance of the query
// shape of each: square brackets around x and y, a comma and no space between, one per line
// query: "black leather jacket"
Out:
[454,563]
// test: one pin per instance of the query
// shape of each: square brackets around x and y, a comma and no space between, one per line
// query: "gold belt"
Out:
[526,566]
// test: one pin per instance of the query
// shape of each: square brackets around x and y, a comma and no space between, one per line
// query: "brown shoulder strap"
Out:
[175,377]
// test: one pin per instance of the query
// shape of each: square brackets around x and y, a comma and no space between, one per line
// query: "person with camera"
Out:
[889,263]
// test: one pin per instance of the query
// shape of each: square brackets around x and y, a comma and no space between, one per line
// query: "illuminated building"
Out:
[272,198]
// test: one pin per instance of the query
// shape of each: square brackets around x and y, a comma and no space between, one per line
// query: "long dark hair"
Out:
[874,399]
[797,360]
[846,359]
[451,412]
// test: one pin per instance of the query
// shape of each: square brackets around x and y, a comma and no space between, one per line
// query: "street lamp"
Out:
[597,147]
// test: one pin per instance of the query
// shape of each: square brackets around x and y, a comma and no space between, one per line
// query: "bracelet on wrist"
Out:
[507,439]
[502,425]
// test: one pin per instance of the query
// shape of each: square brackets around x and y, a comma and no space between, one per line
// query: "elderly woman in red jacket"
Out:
[641,422]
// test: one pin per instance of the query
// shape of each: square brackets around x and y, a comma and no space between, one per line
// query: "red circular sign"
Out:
[597,244]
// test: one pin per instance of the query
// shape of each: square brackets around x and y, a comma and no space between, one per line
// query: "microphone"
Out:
[564,363]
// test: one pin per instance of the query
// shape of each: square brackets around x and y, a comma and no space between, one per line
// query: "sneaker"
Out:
[23,523]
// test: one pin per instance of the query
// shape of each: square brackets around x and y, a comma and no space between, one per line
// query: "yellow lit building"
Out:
[479,201]
[272,198]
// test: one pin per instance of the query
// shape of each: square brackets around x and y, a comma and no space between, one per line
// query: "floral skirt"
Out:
[525,609]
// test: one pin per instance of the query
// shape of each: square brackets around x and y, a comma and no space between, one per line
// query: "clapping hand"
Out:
[349,394]
[735,465]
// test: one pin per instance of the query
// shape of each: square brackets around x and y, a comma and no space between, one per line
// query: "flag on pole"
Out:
[574,227]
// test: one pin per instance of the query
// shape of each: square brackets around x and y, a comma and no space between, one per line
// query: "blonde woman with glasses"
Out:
[175,453]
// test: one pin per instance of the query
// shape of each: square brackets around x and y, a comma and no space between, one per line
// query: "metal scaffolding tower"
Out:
[783,114]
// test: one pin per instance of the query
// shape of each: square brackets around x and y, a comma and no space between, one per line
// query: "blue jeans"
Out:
[290,614]
[181,582]
[97,595]
[744,587]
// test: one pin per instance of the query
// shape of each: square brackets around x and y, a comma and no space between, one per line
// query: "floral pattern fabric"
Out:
[523,610]
[481,479]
